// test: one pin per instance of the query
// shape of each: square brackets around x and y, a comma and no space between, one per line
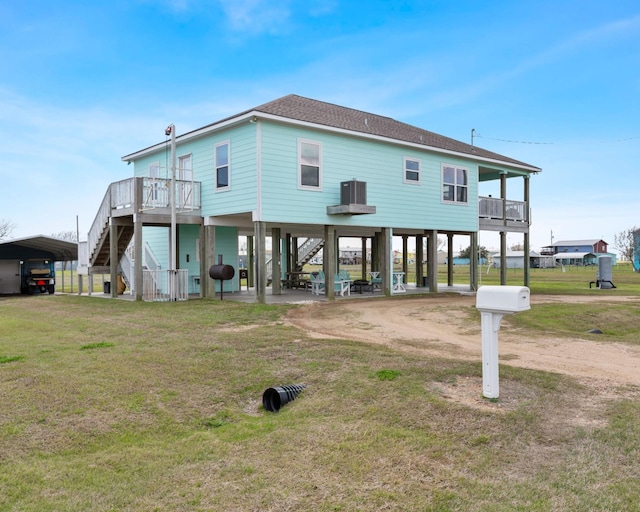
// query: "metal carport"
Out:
[12,252]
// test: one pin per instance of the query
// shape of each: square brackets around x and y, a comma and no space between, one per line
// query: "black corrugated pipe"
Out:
[274,398]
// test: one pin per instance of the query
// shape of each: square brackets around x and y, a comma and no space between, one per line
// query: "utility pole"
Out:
[173,273]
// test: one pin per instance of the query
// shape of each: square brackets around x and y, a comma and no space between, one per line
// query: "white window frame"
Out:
[154,170]
[456,186]
[301,142]
[182,175]
[216,166]
[406,170]
[154,182]
[184,192]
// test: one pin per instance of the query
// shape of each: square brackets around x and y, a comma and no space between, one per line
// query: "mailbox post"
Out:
[494,302]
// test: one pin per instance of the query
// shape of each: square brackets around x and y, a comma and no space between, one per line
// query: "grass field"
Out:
[122,406]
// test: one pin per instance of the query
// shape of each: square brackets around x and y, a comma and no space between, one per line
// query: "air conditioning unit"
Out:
[353,192]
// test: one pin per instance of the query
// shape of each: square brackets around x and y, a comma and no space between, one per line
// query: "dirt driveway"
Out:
[441,326]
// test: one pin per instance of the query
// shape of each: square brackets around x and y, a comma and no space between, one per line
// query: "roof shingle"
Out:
[318,112]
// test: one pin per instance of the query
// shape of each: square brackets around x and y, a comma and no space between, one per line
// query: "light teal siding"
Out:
[187,253]
[226,244]
[381,166]
[241,195]
[158,240]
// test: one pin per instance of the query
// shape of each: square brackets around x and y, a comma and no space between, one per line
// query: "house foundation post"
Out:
[386,262]
[527,246]
[363,261]
[450,266]
[204,271]
[259,230]
[405,256]
[419,261]
[207,285]
[292,255]
[503,258]
[276,262]
[329,261]
[473,262]
[113,256]
[251,260]
[503,234]
[137,256]
[432,260]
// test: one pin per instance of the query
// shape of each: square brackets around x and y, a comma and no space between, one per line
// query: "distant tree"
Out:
[69,236]
[483,252]
[6,228]
[623,241]
[517,247]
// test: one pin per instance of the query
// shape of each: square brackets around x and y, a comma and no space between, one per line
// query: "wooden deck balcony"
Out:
[497,214]
[147,198]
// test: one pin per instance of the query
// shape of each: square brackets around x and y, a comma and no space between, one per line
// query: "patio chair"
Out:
[317,283]
[341,286]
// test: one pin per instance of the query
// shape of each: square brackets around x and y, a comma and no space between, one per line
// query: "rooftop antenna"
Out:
[473,132]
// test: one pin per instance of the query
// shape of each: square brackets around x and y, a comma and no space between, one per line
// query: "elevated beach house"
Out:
[298,173]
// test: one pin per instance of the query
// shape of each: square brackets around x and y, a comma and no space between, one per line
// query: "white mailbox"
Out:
[494,302]
[503,299]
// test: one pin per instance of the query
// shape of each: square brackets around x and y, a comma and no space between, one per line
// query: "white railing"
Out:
[497,208]
[149,259]
[155,194]
[165,285]
[127,267]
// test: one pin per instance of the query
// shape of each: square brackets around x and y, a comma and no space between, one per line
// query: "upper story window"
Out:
[455,184]
[222,166]
[309,164]
[411,170]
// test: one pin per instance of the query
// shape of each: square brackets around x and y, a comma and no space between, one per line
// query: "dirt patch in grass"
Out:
[444,326]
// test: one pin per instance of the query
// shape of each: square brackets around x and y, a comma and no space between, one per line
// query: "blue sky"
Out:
[553,83]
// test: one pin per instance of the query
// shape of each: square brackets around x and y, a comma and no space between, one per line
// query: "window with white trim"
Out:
[455,184]
[309,164]
[411,170]
[222,166]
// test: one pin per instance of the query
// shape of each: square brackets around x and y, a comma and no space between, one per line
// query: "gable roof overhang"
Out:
[317,115]
[39,246]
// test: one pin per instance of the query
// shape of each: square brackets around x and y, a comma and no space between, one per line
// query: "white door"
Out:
[9,276]
[184,192]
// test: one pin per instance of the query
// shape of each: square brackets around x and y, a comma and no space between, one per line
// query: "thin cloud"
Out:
[256,16]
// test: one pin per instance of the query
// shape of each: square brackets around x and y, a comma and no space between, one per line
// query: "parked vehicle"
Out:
[37,276]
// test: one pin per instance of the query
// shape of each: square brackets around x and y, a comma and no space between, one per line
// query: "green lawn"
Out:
[121,406]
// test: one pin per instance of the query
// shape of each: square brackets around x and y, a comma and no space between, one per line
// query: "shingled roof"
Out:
[306,110]
[317,112]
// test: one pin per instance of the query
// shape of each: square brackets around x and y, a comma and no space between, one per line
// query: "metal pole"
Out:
[171,129]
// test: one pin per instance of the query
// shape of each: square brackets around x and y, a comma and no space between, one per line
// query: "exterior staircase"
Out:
[306,250]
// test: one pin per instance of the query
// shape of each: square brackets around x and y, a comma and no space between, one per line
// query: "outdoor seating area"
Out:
[344,285]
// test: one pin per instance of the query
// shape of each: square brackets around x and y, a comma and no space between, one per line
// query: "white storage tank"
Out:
[605,272]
